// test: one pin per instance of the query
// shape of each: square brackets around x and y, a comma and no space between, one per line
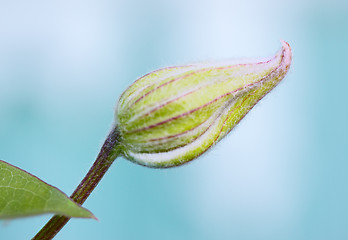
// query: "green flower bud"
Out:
[173,115]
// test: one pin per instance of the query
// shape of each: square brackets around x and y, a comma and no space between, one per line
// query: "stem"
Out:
[108,153]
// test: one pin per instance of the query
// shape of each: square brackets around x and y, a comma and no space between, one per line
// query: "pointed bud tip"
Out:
[287,55]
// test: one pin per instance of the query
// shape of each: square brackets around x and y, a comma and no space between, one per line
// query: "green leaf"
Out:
[22,194]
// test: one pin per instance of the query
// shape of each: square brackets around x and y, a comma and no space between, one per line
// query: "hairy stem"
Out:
[108,153]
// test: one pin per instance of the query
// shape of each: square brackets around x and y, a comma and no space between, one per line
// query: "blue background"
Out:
[281,174]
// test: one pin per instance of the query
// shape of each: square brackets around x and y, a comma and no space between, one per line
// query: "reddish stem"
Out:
[107,155]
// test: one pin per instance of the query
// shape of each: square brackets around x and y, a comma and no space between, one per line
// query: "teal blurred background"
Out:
[281,174]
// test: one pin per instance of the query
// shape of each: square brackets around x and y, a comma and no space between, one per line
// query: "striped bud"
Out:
[173,115]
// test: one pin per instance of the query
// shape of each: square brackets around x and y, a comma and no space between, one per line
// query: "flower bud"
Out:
[171,116]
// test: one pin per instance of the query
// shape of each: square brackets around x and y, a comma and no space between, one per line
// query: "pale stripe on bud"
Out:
[173,115]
